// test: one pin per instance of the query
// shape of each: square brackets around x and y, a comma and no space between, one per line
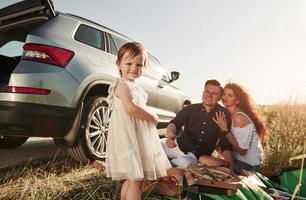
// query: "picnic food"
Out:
[212,174]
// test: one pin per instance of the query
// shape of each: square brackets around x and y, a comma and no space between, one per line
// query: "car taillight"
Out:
[27,90]
[47,54]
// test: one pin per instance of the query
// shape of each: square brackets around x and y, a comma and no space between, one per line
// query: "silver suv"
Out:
[54,77]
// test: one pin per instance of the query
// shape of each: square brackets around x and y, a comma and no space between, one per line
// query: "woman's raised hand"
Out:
[220,120]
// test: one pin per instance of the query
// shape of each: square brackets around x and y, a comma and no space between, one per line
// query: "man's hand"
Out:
[171,130]
[170,142]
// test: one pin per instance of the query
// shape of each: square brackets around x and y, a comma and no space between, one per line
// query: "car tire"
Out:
[11,142]
[90,143]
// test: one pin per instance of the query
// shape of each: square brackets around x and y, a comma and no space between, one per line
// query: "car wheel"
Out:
[91,141]
[11,142]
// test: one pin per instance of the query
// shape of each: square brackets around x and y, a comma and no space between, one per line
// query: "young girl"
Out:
[133,150]
[246,130]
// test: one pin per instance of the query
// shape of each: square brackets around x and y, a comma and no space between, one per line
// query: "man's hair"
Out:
[215,83]
[212,82]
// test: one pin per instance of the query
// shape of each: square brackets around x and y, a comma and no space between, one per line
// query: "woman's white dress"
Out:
[133,149]
[248,138]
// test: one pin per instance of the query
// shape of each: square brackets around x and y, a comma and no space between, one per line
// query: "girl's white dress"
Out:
[133,149]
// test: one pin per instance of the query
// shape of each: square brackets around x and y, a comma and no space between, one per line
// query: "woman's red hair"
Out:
[246,105]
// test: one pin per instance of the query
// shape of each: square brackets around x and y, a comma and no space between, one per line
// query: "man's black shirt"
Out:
[200,133]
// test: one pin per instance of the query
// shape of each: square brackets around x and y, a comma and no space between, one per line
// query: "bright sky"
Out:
[260,44]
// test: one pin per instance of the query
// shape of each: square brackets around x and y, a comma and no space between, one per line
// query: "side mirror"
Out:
[174,76]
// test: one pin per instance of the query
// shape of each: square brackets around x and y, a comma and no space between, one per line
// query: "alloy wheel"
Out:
[97,130]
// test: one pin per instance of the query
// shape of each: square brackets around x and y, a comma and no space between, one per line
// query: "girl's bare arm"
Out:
[122,91]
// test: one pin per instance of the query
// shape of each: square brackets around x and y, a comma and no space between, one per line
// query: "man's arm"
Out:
[171,135]
[176,124]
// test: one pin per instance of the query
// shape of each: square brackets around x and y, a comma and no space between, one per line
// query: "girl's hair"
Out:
[132,49]
[245,104]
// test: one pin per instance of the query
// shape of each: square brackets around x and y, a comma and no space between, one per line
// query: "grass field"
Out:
[67,179]
[286,131]
[59,179]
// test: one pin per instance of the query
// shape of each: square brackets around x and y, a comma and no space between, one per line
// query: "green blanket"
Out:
[289,179]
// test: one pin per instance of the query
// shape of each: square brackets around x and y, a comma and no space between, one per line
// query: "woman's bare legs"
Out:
[211,161]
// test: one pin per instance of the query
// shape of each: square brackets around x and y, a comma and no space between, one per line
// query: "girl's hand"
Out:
[220,120]
[155,119]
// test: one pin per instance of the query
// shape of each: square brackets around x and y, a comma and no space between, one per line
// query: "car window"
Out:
[118,41]
[157,68]
[113,49]
[90,36]
[12,49]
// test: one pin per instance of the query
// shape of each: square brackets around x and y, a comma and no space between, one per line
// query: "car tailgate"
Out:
[25,8]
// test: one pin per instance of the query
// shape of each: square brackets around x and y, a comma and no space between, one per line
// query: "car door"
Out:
[168,101]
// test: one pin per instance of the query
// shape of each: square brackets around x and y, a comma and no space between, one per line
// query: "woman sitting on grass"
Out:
[246,130]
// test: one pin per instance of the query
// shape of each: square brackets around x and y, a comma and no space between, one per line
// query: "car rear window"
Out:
[90,36]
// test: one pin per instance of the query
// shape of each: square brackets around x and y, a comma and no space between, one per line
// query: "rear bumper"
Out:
[34,120]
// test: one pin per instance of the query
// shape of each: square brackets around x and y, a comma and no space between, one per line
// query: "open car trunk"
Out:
[7,65]
[16,22]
